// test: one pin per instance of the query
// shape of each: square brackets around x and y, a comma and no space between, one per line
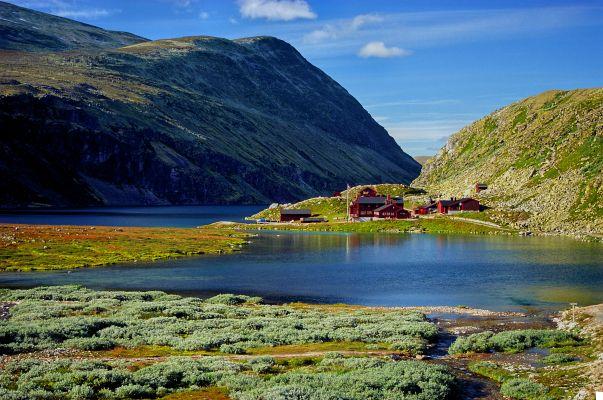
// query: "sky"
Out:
[423,69]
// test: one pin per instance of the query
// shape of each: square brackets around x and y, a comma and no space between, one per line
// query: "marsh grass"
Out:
[42,247]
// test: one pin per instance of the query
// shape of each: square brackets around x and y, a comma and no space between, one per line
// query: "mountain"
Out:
[541,157]
[183,121]
[422,159]
[23,29]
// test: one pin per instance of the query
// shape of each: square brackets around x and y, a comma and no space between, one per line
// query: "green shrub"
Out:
[410,345]
[261,365]
[558,358]
[519,388]
[475,343]
[512,341]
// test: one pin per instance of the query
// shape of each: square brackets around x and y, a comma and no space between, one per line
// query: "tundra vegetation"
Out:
[572,368]
[75,317]
[46,319]
[41,247]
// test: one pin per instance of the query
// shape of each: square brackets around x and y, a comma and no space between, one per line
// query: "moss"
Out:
[41,247]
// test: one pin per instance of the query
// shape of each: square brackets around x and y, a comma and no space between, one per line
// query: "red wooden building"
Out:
[429,208]
[368,201]
[392,211]
[456,205]
[294,215]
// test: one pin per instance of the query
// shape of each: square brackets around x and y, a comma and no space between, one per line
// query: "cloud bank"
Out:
[276,10]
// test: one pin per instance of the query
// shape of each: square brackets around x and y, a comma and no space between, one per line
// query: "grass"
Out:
[319,347]
[437,225]
[41,247]
[211,393]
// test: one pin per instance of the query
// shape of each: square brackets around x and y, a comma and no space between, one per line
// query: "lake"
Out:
[173,216]
[495,272]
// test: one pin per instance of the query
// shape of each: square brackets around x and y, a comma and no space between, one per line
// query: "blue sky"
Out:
[423,69]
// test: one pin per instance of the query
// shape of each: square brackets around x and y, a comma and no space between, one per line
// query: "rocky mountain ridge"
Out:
[196,120]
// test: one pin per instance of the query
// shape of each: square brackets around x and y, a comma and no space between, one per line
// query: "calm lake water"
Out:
[372,269]
[173,216]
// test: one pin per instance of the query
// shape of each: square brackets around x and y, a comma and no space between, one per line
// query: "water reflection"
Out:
[372,269]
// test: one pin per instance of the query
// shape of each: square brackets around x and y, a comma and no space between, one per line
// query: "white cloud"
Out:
[233,21]
[84,13]
[203,15]
[380,50]
[276,10]
[437,28]
[341,28]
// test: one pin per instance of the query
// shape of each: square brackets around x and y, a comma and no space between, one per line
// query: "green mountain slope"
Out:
[28,30]
[542,156]
[183,121]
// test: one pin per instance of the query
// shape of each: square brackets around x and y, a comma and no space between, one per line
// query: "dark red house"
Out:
[294,215]
[392,211]
[456,205]
[426,209]
[368,200]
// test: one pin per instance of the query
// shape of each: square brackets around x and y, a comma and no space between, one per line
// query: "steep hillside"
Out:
[183,121]
[28,30]
[542,156]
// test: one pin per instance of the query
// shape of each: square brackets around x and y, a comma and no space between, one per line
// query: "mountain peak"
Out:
[23,29]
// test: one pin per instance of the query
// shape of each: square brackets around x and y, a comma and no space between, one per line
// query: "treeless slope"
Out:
[542,155]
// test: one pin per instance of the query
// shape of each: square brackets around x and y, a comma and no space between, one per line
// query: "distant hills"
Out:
[28,30]
[541,157]
[92,117]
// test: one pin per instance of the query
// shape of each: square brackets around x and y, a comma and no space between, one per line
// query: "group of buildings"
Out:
[369,204]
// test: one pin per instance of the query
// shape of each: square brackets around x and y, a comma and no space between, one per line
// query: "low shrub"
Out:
[261,365]
[558,358]
[475,343]
[519,388]
[512,341]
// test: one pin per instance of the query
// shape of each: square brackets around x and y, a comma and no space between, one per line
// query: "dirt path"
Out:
[478,222]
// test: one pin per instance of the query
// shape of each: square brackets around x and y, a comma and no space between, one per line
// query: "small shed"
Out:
[294,214]
[480,186]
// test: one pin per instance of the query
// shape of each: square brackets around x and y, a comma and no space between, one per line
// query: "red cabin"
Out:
[368,201]
[456,205]
[426,209]
[392,211]
[294,215]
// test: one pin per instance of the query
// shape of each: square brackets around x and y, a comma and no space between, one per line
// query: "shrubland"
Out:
[330,378]
[75,317]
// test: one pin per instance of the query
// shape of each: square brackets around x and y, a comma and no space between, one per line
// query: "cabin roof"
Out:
[378,200]
[291,211]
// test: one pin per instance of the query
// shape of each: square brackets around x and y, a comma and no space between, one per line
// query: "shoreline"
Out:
[35,247]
